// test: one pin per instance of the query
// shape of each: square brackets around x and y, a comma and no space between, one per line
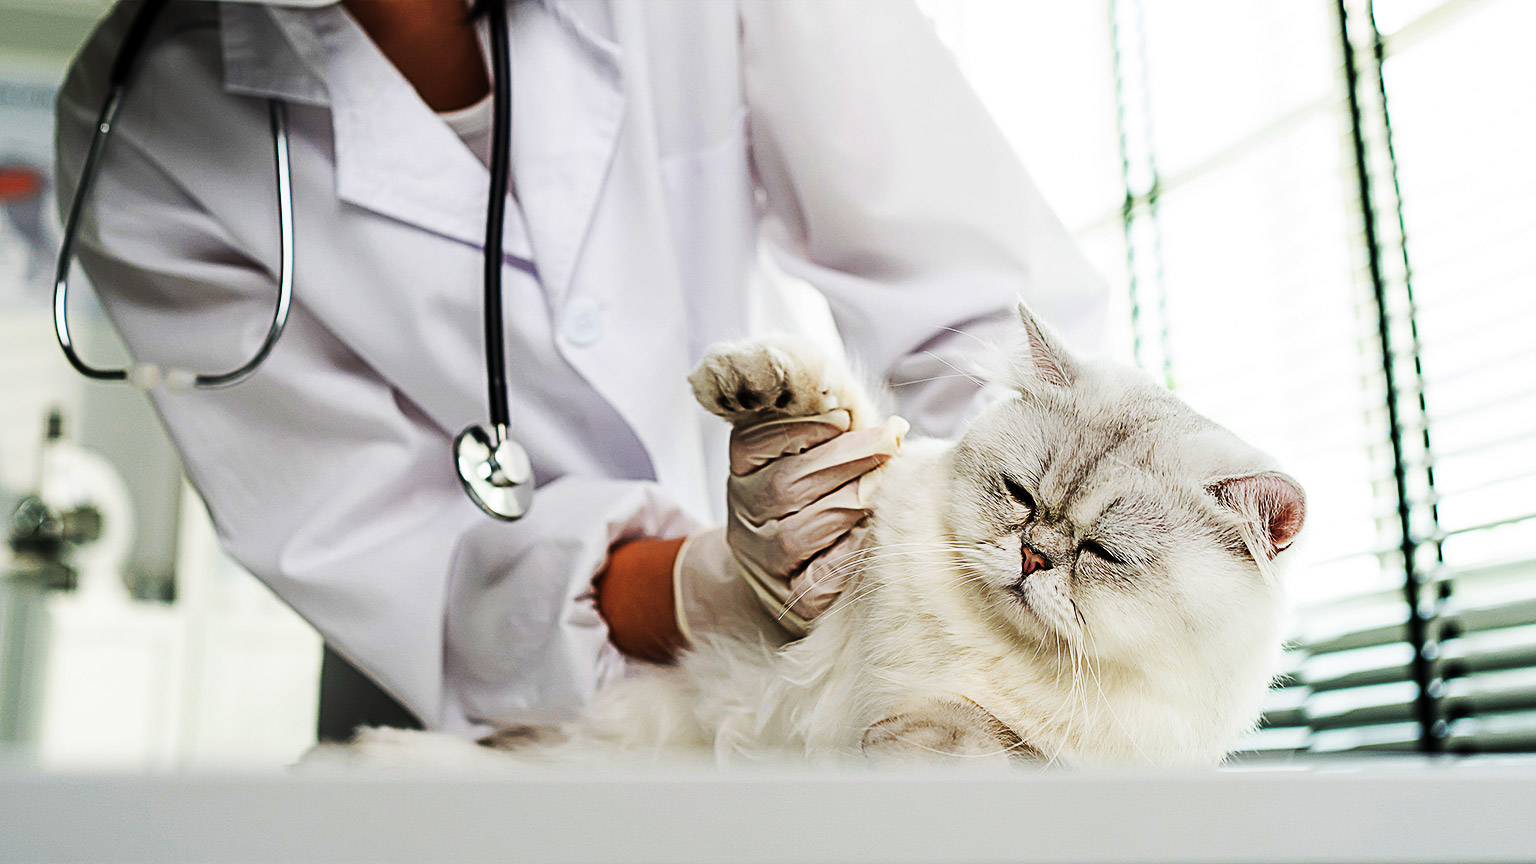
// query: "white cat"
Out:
[1086,577]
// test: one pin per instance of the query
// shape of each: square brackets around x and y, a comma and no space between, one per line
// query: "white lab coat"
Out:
[654,146]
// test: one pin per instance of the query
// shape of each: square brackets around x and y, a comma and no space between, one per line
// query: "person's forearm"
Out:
[432,43]
[635,597]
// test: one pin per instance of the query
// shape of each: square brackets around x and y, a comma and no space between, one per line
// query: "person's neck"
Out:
[432,43]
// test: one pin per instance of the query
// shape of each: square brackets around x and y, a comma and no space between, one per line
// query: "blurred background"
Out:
[1313,215]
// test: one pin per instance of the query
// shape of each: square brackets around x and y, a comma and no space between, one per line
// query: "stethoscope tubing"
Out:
[495,221]
[494,469]
[123,67]
[66,245]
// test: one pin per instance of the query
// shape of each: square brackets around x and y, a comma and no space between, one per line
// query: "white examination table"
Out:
[1378,811]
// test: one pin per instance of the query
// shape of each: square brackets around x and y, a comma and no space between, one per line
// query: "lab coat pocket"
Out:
[710,203]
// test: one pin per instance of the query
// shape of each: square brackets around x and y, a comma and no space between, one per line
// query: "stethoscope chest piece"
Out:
[497,475]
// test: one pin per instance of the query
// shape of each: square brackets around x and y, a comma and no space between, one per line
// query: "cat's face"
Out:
[1099,510]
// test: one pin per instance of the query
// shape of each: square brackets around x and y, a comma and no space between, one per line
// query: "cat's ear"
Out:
[1273,507]
[1042,357]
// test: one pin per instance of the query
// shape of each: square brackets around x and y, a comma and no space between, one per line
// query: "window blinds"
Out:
[1462,125]
[1328,254]
[1218,160]
[1260,315]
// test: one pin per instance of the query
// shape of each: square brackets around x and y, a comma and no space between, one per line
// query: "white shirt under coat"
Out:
[655,145]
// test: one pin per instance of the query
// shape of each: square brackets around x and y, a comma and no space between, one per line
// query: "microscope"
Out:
[43,533]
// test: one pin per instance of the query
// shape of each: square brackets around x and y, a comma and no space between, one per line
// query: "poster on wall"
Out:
[29,226]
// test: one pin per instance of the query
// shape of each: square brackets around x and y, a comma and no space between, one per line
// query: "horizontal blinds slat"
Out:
[1384,635]
[1285,705]
[1492,693]
[1506,733]
[1363,706]
[1516,613]
[1292,717]
[1385,736]
[1522,657]
[1364,677]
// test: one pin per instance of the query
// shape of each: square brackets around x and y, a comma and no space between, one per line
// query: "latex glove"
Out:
[795,495]
[712,596]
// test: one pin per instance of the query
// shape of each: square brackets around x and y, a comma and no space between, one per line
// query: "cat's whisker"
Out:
[932,378]
[990,347]
[843,566]
[857,560]
[862,592]
[1074,698]
[974,380]
[864,557]
[849,599]
[1073,702]
[1067,704]
[1109,706]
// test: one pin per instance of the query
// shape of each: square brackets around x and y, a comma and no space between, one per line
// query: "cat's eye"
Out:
[1019,493]
[1095,548]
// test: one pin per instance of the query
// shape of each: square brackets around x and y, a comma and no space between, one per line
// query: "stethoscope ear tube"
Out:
[145,375]
[132,46]
[117,86]
[278,117]
[66,245]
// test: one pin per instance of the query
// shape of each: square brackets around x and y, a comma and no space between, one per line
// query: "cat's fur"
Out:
[1086,577]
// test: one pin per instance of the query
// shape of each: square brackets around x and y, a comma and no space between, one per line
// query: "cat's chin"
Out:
[1034,622]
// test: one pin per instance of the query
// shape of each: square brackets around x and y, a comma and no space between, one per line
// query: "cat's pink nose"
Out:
[1033,560]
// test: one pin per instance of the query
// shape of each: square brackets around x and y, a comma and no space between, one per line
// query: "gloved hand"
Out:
[795,499]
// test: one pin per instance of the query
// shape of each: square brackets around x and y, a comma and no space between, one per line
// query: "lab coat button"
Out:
[583,323]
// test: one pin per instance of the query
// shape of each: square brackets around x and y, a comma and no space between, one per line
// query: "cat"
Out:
[1089,576]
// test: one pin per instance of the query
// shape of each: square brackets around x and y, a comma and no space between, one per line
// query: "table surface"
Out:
[1375,810]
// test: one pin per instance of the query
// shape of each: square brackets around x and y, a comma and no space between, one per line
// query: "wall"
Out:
[224,674]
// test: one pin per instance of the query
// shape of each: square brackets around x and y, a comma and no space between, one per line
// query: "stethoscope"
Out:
[493,469]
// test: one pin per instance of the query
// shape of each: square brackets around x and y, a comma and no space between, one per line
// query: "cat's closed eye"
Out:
[1019,493]
[1095,548]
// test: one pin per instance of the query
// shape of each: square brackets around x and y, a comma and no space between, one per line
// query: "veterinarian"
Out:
[660,153]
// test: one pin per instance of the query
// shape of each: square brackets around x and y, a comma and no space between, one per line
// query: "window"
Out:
[1313,212]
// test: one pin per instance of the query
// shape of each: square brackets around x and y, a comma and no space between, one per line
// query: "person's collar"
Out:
[266,59]
[394,156]
[268,53]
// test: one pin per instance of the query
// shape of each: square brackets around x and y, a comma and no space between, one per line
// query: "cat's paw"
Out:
[953,727]
[746,382]
[523,737]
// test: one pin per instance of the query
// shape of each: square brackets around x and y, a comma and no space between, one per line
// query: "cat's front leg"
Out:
[951,726]
[805,459]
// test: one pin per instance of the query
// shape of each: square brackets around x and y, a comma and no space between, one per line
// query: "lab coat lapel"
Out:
[393,157]
[567,106]
[393,154]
